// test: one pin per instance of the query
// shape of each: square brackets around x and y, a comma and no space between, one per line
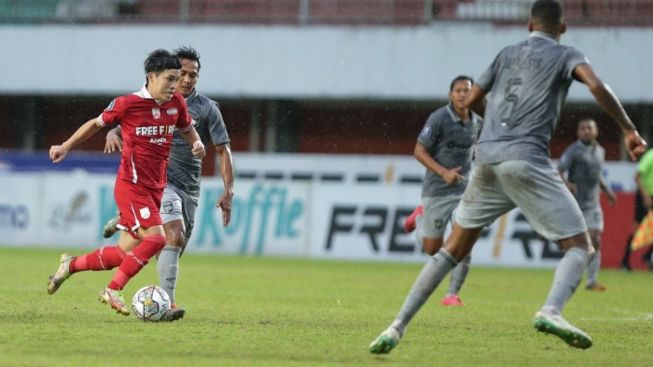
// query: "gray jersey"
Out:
[583,164]
[449,141]
[527,84]
[184,169]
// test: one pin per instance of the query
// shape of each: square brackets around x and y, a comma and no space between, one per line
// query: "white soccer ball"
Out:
[150,303]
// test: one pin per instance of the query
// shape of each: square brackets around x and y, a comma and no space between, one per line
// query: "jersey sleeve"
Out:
[567,159]
[185,121]
[114,112]
[486,80]
[573,58]
[430,133]
[217,128]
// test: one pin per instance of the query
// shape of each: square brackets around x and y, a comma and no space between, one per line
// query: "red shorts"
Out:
[139,206]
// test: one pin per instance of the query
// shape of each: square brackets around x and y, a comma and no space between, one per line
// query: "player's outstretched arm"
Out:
[90,128]
[223,152]
[610,104]
[193,139]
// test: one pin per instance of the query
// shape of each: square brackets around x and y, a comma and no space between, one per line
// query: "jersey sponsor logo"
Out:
[156,113]
[159,141]
[155,130]
[171,111]
[144,212]
[460,145]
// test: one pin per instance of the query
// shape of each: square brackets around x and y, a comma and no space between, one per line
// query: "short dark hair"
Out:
[547,12]
[189,53]
[161,60]
[460,78]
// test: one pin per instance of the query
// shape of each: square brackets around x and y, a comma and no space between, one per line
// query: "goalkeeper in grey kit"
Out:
[181,194]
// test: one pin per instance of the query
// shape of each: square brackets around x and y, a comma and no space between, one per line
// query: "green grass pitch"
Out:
[244,311]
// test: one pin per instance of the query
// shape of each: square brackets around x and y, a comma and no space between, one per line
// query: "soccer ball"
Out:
[150,303]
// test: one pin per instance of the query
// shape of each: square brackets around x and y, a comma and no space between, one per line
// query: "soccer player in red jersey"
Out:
[148,119]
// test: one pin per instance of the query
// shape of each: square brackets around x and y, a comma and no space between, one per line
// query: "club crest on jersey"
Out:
[145,212]
[171,111]
[156,113]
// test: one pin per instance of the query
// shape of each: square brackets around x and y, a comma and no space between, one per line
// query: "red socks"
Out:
[136,260]
[105,258]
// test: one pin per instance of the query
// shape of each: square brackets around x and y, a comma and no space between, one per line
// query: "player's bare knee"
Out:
[176,239]
[461,241]
[595,236]
[175,234]
[581,240]
[432,245]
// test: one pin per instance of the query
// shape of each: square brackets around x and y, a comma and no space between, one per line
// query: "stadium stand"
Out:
[354,12]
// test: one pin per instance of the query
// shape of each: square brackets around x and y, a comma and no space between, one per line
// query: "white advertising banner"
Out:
[72,208]
[365,223]
[339,207]
[268,218]
[20,208]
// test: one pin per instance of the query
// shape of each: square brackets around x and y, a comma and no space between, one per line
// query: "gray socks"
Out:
[593,268]
[458,275]
[566,279]
[435,269]
[168,268]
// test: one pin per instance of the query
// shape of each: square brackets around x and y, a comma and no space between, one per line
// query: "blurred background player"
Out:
[148,119]
[444,147]
[643,204]
[583,163]
[525,85]
[181,194]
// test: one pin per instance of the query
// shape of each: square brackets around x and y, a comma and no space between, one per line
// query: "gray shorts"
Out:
[178,205]
[536,189]
[438,212]
[594,218]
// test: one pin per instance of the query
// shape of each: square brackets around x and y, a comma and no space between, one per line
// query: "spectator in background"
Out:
[583,161]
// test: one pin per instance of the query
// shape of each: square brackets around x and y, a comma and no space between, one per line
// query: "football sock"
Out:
[436,268]
[593,268]
[168,268]
[136,259]
[105,258]
[566,278]
[458,275]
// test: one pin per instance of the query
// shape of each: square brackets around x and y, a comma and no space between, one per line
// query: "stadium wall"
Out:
[301,62]
[319,206]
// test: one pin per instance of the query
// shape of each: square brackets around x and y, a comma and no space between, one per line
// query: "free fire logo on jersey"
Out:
[155,132]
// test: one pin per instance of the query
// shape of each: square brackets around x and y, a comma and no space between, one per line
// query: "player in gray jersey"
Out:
[181,194]
[525,85]
[444,147]
[583,163]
